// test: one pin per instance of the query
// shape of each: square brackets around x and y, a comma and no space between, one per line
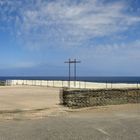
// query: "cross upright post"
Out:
[69,62]
[75,68]
[69,72]
[74,62]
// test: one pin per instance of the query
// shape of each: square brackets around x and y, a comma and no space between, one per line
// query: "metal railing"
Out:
[73,84]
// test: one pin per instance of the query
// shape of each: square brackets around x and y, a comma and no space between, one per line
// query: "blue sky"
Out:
[37,36]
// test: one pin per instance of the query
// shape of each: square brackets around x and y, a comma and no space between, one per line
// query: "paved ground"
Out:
[102,123]
[46,120]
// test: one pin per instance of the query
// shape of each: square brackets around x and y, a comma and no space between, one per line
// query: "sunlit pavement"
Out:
[118,124]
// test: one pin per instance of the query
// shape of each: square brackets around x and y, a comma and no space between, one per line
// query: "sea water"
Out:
[88,79]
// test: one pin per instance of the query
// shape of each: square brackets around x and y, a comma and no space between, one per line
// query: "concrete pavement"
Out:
[102,123]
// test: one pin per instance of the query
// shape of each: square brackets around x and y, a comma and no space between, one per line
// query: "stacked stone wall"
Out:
[87,98]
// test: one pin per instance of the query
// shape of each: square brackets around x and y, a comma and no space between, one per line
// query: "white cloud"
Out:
[121,52]
[65,22]
[18,65]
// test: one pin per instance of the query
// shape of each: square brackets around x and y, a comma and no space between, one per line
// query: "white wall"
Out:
[77,84]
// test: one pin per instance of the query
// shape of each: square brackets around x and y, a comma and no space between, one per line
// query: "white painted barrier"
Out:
[77,84]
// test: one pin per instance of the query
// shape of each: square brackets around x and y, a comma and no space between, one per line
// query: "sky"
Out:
[37,36]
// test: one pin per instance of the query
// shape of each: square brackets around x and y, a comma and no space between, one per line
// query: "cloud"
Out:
[17,65]
[66,23]
[121,53]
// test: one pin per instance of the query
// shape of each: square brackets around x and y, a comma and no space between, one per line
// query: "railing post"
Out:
[53,83]
[62,83]
[106,84]
[79,84]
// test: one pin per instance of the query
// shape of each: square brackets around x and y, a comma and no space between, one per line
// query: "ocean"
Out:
[87,79]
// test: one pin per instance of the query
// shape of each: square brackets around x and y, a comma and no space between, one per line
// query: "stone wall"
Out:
[2,83]
[87,98]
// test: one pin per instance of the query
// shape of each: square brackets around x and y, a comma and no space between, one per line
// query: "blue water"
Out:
[89,79]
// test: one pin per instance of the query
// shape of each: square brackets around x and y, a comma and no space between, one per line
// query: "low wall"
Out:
[87,98]
[77,84]
[2,83]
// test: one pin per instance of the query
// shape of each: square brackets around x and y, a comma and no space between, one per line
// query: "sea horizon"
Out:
[109,79]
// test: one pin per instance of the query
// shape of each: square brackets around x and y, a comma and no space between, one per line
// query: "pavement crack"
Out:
[103,131]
